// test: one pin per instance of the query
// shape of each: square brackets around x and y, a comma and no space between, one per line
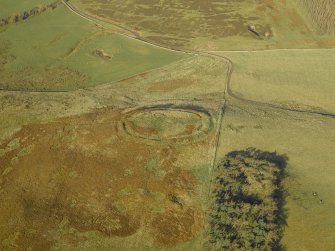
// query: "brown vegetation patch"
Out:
[43,79]
[180,180]
[5,56]
[168,41]
[146,131]
[80,173]
[296,20]
[196,18]
[110,221]
[176,226]
[320,13]
[101,53]
[136,77]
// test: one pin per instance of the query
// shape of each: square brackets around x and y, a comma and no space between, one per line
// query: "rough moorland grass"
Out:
[320,14]
[60,39]
[295,78]
[209,25]
[207,75]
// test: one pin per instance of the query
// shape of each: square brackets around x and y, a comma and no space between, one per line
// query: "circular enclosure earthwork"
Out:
[167,122]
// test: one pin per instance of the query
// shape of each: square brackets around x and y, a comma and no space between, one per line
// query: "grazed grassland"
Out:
[7,8]
[29,13]
[308,142]
[300,79]
[56,51]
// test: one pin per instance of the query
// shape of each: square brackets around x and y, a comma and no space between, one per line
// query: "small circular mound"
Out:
[167,122]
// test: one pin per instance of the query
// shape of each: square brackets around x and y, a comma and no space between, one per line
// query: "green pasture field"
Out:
[7,7]
[56,43]
[302,79]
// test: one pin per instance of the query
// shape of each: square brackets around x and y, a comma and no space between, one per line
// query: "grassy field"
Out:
[7,8]
[110,143]
[308,143]
[298,79]
[58,51]
[211,25]
[290,78]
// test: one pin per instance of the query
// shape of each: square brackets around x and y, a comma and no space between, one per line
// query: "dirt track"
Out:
[136,36]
